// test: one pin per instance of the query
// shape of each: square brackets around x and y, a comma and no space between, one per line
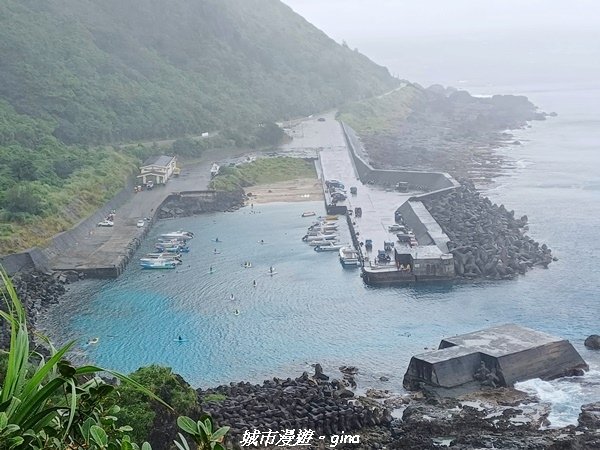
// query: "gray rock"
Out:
[592,342]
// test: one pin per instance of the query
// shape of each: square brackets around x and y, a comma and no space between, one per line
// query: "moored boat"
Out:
[349,257]
[185,235]
[320,237]
[308,214]
[171,248]
[329,247]
[159,263]
[322,242]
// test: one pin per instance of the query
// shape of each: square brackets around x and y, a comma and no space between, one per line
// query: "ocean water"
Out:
[313,310]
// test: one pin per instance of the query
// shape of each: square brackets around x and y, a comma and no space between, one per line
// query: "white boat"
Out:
[185,235]
[159,263]
[321,237]
[140,223]
[168,256]
[164,241]
[322,242]
[349,257]
[324,224]
[309,214]
[322,233]
[329,247]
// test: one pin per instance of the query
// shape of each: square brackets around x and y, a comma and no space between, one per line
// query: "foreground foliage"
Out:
[48,403]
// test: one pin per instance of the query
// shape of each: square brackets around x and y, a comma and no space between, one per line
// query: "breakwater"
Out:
[486,240]
[307,402]
[429,182]
[105,253]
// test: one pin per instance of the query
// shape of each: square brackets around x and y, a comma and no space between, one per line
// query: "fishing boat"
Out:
[322,242]
[171,241]
[320,237]
[166,257]
[329,247]
[185,235]
[349,257]
[308,214]
[171,248]
[158,264]
[324,224]
[317,232]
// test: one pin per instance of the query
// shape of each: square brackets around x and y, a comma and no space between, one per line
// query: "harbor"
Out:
[397,238]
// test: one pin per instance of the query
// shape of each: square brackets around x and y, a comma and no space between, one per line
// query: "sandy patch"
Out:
[298,190]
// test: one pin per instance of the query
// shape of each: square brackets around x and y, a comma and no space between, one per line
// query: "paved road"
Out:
[106,247]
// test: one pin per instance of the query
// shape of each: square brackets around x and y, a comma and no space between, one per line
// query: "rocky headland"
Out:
[444,129]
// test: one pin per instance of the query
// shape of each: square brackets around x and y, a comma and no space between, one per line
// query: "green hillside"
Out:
[77,74]
[113,70]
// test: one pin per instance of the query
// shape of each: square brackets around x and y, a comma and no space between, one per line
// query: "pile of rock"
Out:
[36,291]
[308,402]
[199,203]
[485,239]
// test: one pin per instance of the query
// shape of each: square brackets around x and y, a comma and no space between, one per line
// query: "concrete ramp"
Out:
[498,356]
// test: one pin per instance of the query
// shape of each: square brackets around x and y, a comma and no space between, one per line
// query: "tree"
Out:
[23,198]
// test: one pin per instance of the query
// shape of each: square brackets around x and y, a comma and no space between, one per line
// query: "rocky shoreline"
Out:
[37,291]
[486,240]
[491,418]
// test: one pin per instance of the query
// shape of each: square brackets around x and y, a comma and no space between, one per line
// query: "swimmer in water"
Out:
[236,312]
[232,297]
[210,269]
[180,338]
[254,283]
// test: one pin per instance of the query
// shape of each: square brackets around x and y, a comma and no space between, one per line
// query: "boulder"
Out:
[590,416]
[592,342]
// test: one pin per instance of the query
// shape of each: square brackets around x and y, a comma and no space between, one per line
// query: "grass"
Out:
[84,192]
[263,171]
[380,114]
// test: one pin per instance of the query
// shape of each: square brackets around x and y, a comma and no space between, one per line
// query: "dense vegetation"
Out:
[261,171]
[78,73]
[107,70]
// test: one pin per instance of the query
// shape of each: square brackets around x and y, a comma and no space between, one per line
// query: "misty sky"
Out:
[480,42]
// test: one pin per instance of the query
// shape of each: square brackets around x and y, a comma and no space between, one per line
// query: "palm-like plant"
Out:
[201,433]
[53,404]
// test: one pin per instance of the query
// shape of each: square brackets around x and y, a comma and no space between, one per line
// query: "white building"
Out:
[157,169]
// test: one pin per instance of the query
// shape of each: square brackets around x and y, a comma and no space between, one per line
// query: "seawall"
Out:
[433,183]
[109,259]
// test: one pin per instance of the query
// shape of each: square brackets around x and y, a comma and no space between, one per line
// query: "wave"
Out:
[564,396]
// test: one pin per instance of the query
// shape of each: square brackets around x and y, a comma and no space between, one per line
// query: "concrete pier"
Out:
[497,357]
[342,158]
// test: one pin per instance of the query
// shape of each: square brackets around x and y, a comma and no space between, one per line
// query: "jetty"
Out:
[496,357]
[375,200]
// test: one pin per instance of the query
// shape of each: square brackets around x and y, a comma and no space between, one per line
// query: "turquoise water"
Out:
[313,310]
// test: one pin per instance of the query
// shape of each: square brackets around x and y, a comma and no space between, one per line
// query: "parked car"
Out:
[106,223]
[141,223]
[149,185]
[321,119]
[338,197]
